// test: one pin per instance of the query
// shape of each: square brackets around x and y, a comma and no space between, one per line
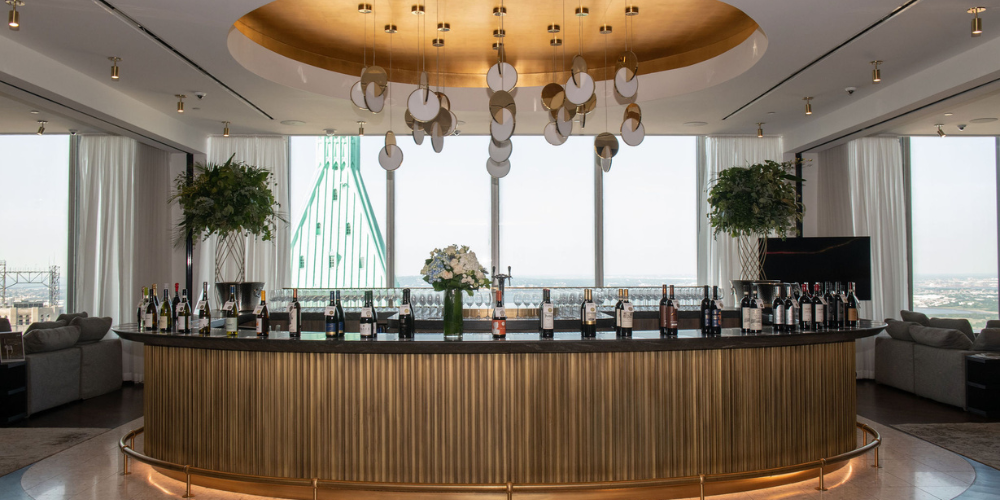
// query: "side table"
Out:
[982,378]
[13,392]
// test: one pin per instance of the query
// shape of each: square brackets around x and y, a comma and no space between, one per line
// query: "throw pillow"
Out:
[44,325]
[993,323]
[961,325]
[899,330]
[940,337]
[67,317]
[91,329]
[988,340]
[52,339]
[915,317]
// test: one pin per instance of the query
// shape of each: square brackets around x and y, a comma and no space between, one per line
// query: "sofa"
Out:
[926,356]
[70,359]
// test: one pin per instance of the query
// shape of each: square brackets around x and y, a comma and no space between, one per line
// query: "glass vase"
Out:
[452,317]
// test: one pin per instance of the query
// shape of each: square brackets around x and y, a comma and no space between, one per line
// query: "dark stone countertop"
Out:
[483,343]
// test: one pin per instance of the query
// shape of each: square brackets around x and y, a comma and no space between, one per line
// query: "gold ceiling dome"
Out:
[330,34]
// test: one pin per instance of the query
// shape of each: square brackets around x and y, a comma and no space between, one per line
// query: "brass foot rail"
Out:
[510,489]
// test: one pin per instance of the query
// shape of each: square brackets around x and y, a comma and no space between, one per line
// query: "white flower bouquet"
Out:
[454,268]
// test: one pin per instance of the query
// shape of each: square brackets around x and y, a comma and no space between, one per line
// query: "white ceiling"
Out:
[81,35]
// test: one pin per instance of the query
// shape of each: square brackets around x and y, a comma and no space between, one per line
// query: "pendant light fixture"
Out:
[114,67]
[14,17]
[760,129]
[977,22]
[361,128]
[940,131]
[390,157]
[225,131]
[809,108]
[41,126]
[876,73]
[501,79]
[180,102]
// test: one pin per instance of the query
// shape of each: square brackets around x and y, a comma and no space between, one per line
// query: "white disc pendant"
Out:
[358,96]
[453,126]
[552,134]
[502,131]
[498,169]
[564,122]
[372,101]
[606,164]
[437,137]
[500,151]
[390,157]
[501,76]
[579,95]
[627,88]
[418,136]
[423,104]
[633,132]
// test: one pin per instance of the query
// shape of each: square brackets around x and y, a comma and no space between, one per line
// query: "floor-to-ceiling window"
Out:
[34,233]
[953,193]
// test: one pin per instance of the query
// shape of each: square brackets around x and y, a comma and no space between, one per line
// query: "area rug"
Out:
[20,447]
[980,442]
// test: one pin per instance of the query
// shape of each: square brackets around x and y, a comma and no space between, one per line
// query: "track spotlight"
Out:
[41,126]
[14,17]
[180,102]
[361,129]
[876,73]
[977,23]
[114,67]
[225,131]
[364,8]
[809,108]
[760,130]
[940,132]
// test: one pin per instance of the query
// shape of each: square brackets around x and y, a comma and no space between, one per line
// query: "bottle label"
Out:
[717,318]
[499,327]
[819,313]
[331,327]
[746,318]
[664,316]
[230,325]
[823,300]
[258,309]
[164,322]
[718,304]
[790,316]
[756,319]
[260,325]
[852,314]
[330,311]
[404,310]
[590,314]
[627,313]
[779,315]
[807,314]
[366,329]
[147,321]
[672,317]
[179,309]
[293,323]
[366,312]
[548,317]
[202,323]
[341,326]
[499,311]
[228,306]
[201,305]
[182,323]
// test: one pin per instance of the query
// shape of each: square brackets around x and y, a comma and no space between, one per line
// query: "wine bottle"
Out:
[618,313]
[664,317]
[778,311]
[717,308]
[546,315]
[841,295]
[367,322]
[141,310]
[756,313]
[745,312]
[183,312]
[588,315]
[295,315]
[829,301]
[672,312]
[166,315]
[852,306]
[819,309]
[149,316]
[156,298]
[341,317]
[628,313]
[706,314]
[204,311]
[805,309]
[263,316]
[330,317]
[498,321]
[176,302]
[791,310]
[229,313]
[405,316]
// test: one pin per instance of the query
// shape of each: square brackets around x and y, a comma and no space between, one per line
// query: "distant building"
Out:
[22,314]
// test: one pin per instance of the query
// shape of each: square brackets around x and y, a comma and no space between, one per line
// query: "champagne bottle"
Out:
[745,312]
[498,321]
[141,311]
[230,314]
[778,310]
[166,315]
[805,309]
[716,312]
[852,307]
[330,317]
[627,315]
[618,313]
[819,309]
[341,317]
[176,302]
[756,313]
[204,311]
[588,315]
[791,310]
[546,315]
[367,317]
[295,315]
[671,312]
[406,316]
[183,312]
[263,316]
[706,314]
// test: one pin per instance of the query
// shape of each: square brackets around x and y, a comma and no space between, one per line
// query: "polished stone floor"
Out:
[911,469]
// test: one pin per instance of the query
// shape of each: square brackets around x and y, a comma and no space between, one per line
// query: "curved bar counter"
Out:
[418,417]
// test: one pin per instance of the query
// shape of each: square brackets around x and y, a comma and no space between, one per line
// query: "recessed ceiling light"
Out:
[948,114]
[34,111]
[695,124]
[294,123]
[982,120]
[770,112]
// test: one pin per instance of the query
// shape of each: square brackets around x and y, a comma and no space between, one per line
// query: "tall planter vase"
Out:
[453,322]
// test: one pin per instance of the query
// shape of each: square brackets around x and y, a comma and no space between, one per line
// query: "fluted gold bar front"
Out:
[499,418]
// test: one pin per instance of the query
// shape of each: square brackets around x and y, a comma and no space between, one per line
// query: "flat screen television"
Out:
[821,259]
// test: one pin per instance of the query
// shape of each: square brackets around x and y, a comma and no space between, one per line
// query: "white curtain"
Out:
[718,257]
[266,261]
[123,231]
[862,194]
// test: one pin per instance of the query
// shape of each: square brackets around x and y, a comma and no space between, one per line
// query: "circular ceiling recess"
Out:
[332,35]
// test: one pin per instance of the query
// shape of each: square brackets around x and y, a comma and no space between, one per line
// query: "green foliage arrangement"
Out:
[759,199]
[223,199]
